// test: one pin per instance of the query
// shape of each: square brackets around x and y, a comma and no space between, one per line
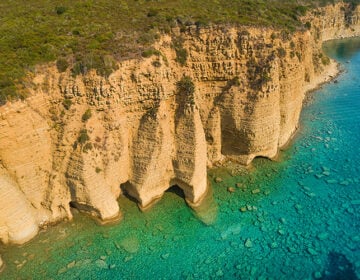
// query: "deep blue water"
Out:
[297,218]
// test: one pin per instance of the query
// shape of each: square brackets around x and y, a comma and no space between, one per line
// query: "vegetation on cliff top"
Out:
[91,34]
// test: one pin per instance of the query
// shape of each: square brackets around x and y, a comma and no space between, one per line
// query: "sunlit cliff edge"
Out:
[83,141]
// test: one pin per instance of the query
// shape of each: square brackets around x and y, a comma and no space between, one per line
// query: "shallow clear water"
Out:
[303,224]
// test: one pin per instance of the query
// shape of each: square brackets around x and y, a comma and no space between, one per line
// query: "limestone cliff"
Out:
[82,141]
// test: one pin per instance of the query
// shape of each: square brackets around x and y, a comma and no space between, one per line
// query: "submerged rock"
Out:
[323,236]
[71,264]
[312,251]
[61,270]
[218,180]
[101,264]
[243,209]
[230,189]
[165,256]
[130,244]
[355,202]
[239,185]
[292,250]
[219,273]
[248,243]
[344,183]
[331,181]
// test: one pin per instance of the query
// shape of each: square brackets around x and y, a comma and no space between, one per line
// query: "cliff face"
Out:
[144,134]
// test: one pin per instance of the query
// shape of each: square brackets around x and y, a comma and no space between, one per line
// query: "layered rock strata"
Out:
[82,141]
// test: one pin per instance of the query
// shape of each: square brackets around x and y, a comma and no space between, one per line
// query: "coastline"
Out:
[330,73]
[193,248]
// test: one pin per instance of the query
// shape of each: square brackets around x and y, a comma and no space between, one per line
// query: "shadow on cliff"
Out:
[339,268]
[124,191]
[176,190]
[127,186]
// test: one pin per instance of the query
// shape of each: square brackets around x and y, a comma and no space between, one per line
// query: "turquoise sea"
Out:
[298,218]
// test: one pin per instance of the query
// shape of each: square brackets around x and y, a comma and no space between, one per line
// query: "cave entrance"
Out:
[125,189]
[176,190]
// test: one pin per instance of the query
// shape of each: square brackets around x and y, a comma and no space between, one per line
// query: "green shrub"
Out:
[7,89]
[325,60]
[281,52]
[230,83]
[87,147]
[181,56]
[77,69]
[150,52]
[181,53]
[285,35]
[103,64]
[258,72]
[301,10]
[62,64]
[86,115]
[152,13]
[67,103]
[60,10]
[201,23]
[185,86]
[83,137]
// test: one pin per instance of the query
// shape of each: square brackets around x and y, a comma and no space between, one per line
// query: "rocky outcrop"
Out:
[82,141]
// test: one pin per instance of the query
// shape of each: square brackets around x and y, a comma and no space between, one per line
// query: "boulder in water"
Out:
[230,189]
[255,191]
[218,180]
[130,244]
[248,243]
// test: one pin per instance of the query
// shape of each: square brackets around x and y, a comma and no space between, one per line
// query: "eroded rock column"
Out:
[191,154]
[152,156]
[17,217]
[89,190]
